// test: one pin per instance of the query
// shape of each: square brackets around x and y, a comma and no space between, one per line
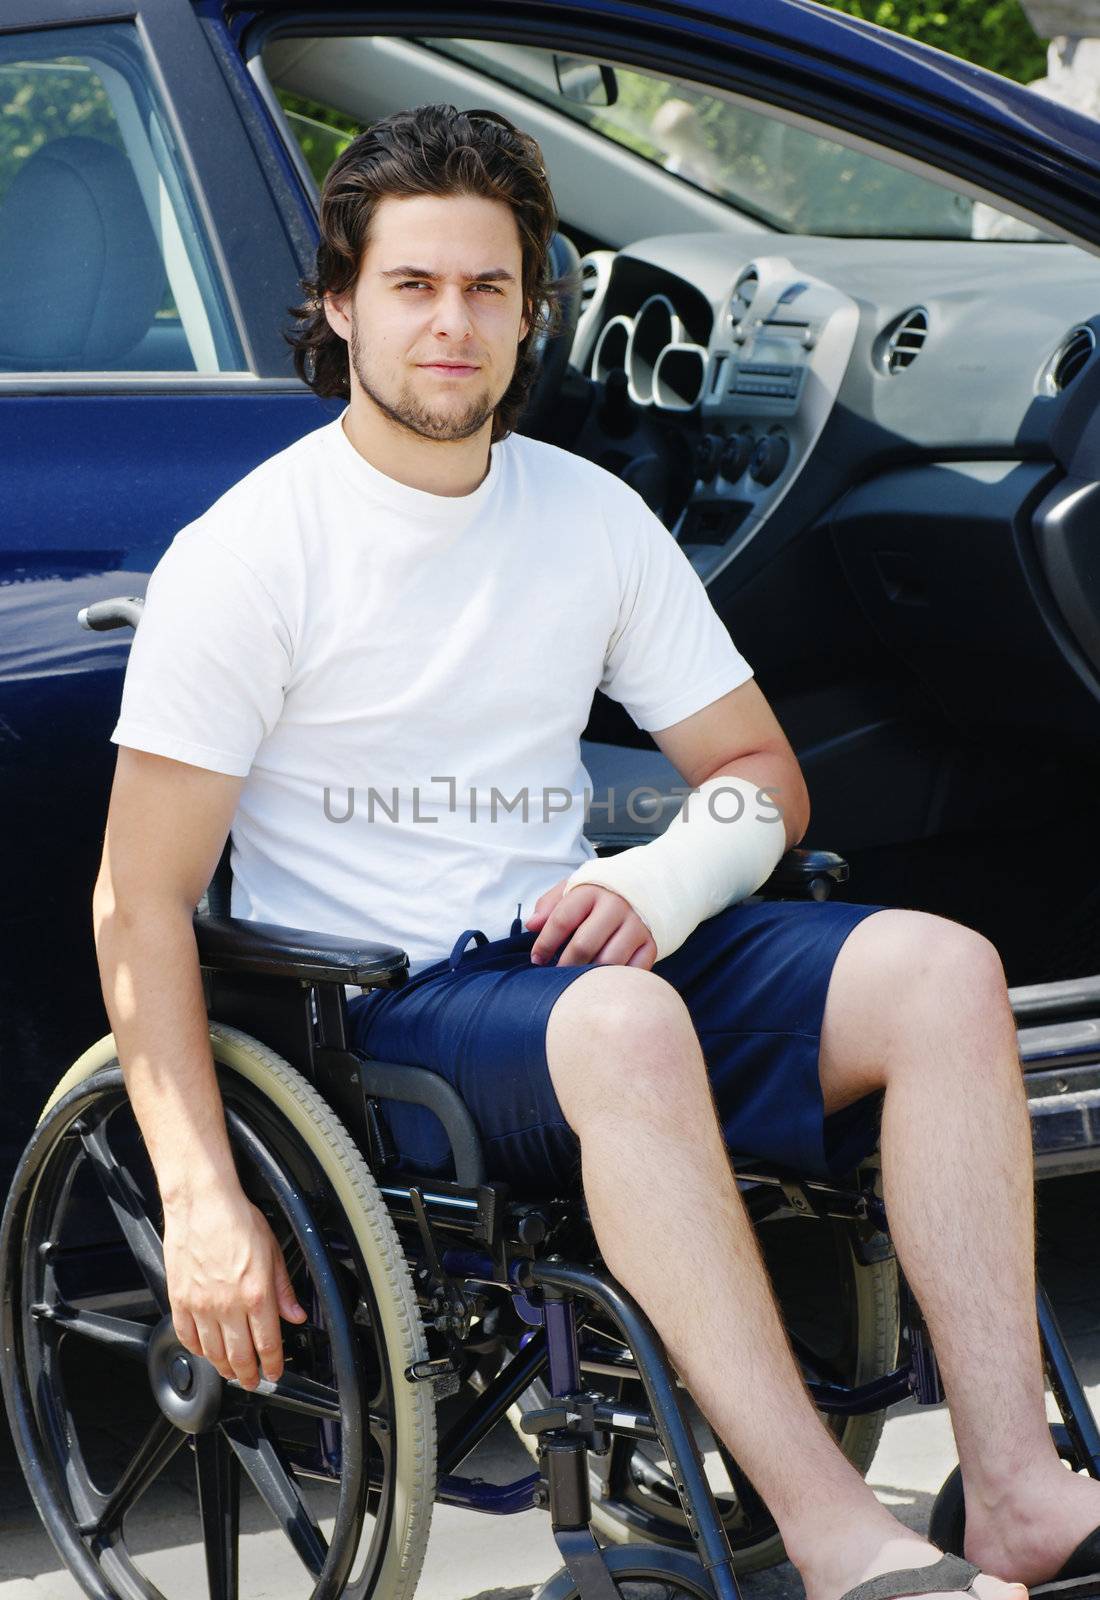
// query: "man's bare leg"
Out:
[959,1191]
[630,1077]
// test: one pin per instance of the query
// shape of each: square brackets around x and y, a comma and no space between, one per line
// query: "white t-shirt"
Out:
[375,660]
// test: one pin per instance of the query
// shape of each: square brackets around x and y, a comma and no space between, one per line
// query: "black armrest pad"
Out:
[809,874]
[236,944]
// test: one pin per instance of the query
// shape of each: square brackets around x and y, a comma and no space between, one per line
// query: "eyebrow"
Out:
[490,275]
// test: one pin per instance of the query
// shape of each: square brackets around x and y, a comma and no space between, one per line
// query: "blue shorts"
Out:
[754,979]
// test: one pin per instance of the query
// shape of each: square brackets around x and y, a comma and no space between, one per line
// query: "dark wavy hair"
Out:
[433,149]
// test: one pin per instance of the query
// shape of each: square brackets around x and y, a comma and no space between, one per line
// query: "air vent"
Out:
[1071,358]
[590,282]
[905,343]
[595,276]
[744,292]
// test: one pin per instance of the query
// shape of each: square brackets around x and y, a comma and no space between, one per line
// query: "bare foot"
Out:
[1035,1526]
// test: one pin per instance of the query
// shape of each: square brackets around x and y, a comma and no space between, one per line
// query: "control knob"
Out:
[770,456]
[737,454]
[707,456]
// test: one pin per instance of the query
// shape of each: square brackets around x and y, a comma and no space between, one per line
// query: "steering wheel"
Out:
[553,351]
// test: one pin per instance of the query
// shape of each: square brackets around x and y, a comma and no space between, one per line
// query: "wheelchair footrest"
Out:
[442,1374]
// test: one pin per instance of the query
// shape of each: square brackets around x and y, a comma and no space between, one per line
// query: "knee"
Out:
[619,1039]
[947,957]
[945,976]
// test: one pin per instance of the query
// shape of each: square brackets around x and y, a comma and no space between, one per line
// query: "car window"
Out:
[322,133]
[781,176]
[103,264]
[788,179]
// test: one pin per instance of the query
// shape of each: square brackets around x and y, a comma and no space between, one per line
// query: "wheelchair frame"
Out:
[470,1234]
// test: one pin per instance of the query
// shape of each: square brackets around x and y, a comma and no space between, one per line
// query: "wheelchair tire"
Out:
[359,1433]
[633,1494]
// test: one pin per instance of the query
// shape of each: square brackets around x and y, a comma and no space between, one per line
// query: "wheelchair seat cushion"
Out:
[754,978]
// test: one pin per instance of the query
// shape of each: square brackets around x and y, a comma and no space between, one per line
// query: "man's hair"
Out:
[435,150]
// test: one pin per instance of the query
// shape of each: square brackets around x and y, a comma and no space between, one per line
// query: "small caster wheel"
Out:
[635,1570]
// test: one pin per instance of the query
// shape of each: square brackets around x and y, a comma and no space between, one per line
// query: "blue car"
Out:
[840,296]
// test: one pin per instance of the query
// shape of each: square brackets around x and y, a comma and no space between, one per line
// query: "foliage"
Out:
[43,101]
[322,134]
[998,36]
[785,176]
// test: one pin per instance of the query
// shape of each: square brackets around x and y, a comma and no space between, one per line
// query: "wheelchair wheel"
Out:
[842,1315]
[151,1473]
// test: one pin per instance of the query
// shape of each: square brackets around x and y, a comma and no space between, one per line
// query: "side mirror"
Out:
[589,83]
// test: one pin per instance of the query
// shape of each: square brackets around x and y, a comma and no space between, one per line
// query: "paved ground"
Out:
[505,1558]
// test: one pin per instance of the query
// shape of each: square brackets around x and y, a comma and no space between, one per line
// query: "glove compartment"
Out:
[941,560]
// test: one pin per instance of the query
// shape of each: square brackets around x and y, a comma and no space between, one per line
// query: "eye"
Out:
[419,283]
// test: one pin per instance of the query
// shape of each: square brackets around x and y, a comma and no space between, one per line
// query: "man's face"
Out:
[440,283]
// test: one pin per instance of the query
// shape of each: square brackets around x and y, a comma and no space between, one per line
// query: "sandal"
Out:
[1078,1576]
[949,1572]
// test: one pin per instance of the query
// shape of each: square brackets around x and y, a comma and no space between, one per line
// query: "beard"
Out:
[457,421]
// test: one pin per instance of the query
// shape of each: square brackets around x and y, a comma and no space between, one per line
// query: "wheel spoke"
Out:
[261,1458]
[124,1577]
[293,1256]
[293,1392]
[219,1480]
[749,1503]
[153,1455]
[126,1202]
[115,1333]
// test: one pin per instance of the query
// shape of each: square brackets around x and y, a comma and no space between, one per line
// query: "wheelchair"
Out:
[436,1308]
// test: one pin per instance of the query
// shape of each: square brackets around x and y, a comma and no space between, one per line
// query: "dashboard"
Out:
[844,354]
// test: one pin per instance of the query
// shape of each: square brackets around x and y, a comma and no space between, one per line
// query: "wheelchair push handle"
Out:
[123,611]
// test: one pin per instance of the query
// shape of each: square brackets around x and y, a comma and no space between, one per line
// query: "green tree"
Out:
[997,36]
[40,101]
[322,134]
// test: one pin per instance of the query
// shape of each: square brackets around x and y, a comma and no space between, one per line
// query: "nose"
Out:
[451,313]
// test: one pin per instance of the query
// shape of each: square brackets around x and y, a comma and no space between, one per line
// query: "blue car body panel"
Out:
[95,487]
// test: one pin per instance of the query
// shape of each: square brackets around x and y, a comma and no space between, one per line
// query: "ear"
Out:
[336,313]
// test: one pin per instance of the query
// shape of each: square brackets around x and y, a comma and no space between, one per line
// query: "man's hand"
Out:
[227,1283]
[605,928]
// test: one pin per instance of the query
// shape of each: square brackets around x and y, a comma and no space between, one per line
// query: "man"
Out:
[358,657]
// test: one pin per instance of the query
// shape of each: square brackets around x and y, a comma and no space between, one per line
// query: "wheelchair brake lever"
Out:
[416,1200]
[451,1308]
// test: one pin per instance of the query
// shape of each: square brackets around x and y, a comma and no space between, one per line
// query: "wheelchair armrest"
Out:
[805,875]
[235,944]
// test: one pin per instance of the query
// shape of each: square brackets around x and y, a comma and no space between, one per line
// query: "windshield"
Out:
[781,176]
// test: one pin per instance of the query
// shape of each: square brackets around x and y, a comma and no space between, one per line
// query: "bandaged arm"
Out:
[723,843]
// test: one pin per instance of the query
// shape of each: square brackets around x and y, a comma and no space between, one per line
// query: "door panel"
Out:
[145,275]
